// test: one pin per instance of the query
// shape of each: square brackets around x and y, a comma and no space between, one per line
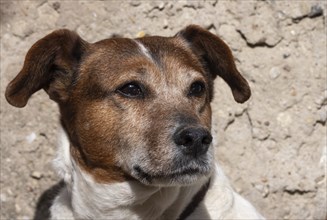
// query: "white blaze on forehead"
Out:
[143,49]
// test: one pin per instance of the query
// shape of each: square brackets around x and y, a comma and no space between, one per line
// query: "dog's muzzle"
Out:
[193,141]
[190,162]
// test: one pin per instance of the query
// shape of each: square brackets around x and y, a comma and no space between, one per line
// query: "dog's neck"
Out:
[126,200]
[119,200]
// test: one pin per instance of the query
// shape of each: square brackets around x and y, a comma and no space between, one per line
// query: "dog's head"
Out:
[133,108]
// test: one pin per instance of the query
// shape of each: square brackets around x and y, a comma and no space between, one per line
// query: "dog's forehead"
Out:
[114,57]
[169,52]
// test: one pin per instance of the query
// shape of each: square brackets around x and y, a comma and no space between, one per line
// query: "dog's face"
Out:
[133,108]
[138,97]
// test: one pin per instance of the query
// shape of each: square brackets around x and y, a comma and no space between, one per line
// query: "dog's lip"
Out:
[148,177]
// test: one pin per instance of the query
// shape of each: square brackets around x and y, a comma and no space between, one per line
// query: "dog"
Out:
[136,119]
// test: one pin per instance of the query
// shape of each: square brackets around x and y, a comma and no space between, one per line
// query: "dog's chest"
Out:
[127,200]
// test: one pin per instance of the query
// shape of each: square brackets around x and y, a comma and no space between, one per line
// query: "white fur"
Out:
[61,207]
[83,198]
[143,49]
[222,202]
[63,163]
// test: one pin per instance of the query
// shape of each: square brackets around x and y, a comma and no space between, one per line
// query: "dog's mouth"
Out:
[180,176]
[180,170]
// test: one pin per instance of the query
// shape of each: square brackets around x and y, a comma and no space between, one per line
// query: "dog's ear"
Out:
[216,58]
[51,64]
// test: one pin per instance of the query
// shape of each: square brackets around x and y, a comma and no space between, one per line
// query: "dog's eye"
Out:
[197,89]
[131,90]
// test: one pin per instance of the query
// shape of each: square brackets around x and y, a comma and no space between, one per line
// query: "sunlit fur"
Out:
[84,198]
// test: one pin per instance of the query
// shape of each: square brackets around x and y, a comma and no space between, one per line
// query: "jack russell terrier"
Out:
[136,121]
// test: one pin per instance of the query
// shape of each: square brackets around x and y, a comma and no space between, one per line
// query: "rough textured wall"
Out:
[273,147]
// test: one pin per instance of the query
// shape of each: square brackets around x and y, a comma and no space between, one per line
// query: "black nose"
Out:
[193,140]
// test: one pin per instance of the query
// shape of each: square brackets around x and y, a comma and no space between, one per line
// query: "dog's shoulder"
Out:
[222,202]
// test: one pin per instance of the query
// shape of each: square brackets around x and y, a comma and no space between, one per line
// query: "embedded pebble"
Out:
[31,137]
[36,175]
[284,119]
[274,72]
[316,10]
[3,197]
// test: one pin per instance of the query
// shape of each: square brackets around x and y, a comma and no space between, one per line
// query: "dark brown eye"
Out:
[131,90]
[197,89]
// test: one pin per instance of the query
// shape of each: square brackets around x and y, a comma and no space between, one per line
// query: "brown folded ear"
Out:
[217,58]
[51,64]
